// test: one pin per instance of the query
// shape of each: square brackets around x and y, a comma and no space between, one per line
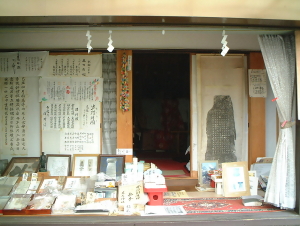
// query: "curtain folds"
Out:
[109,141]
[279,57]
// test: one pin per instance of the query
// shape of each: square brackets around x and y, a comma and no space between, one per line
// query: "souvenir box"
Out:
[40,204]
[17,205]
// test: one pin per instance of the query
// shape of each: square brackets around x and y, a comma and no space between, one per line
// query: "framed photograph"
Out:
[204,168]
[235,177]
[19,165]
[85,164]
[58,165]
[112,165]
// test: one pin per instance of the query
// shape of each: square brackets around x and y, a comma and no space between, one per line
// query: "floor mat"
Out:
[217,205]
[172,172]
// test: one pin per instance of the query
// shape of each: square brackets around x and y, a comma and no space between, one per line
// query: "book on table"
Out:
[252,200]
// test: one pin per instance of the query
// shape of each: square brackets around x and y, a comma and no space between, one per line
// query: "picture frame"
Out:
[3,165]
[235,177]
[112,165]
[19,165]
[58,165]
[204,167]
[85,164]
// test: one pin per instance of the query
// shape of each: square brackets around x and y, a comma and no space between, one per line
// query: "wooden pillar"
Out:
[256,116]
[124,119]
[297,140]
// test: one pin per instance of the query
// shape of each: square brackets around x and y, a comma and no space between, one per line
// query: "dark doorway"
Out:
[161,101]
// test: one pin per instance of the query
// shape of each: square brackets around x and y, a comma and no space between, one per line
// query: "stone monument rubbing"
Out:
[220,130]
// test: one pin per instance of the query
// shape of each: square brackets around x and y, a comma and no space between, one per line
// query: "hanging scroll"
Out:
[13,117]
[23,64]
[71,89]
[70,97]
[70,115]
[75,65]
[71,127]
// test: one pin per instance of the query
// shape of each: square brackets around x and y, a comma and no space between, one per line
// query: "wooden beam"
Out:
[256,116]
[124,119]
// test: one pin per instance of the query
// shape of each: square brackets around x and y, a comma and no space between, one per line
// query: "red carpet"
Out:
[217,205]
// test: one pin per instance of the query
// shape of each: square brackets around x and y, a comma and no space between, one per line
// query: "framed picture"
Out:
[85,164]
[204,168]
[3,165]
[58,165]
[235,177]
[19,165]
[112,165]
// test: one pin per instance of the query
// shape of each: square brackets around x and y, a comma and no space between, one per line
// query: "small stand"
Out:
[218,184]
[156,196]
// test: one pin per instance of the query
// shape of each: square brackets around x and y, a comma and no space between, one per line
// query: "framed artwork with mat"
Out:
[58,165]
[85,164]
[235,177]
[19,165]
[112,165]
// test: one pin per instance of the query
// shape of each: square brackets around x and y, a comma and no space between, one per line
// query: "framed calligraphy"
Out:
[85,164]
[58,165]
[19,165]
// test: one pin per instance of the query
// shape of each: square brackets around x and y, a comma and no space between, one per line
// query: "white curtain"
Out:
[279,57]
[109,141]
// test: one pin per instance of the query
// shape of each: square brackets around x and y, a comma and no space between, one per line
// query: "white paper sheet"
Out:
[164,210]
[71,89]
[14,115]
[23,64]
[257,82]
[75,65]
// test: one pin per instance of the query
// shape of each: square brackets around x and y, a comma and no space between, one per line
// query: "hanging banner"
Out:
[257,82]
[13,115]
[71,89]
[23,64]
[75,65]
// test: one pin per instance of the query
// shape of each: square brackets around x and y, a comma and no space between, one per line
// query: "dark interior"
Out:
[161,100]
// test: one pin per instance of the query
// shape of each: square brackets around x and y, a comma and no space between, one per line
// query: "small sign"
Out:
[124,151]
[257,82]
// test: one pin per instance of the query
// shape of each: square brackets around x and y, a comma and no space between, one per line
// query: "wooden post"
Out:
[124,119]
[297,139]
[256,116]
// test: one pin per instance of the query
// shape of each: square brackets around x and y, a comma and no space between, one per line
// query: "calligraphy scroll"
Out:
[23,64]
[75,65]
[71,127]
[71,89]
[70,115]
[13,117]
